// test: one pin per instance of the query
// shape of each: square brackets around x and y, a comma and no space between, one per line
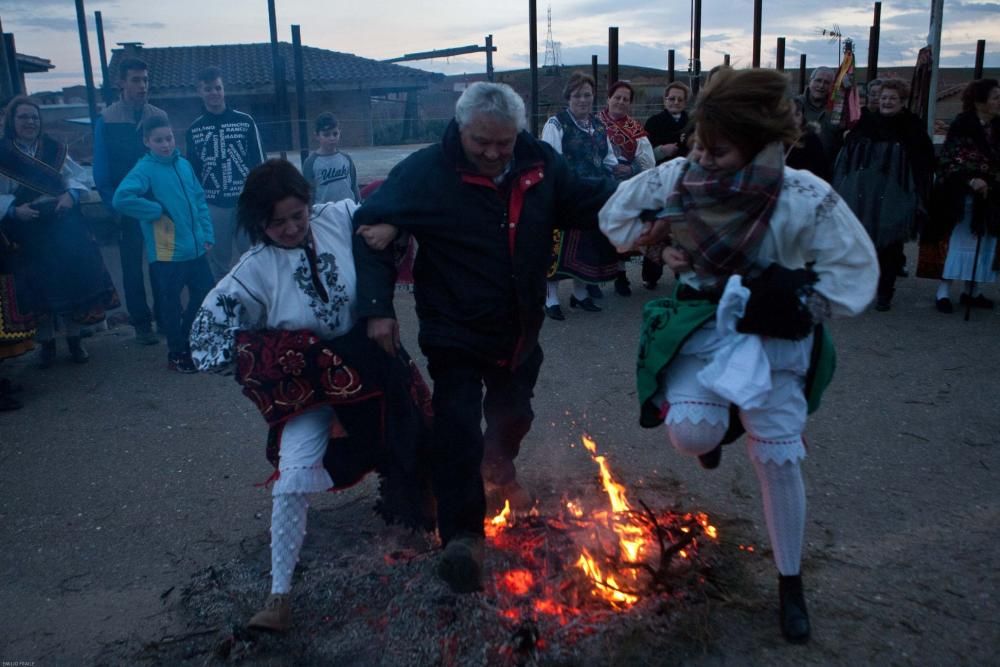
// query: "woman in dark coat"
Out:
[884,173]
[64,279]
[960,241]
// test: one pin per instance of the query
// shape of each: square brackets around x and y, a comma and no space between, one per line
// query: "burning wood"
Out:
[565,574]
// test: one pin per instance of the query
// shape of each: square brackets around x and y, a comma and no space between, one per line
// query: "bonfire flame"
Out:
[614,576]
[496,525]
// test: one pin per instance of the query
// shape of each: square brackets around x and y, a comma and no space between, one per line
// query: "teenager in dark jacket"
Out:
[482,206]
[118,146]
[223,145]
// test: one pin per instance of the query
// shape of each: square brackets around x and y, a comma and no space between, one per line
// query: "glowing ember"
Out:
[518,582]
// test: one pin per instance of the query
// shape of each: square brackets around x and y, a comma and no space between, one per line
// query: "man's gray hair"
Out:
[819,70]
[493,99]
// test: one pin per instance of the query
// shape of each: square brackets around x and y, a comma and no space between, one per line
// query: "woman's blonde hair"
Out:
[750,108]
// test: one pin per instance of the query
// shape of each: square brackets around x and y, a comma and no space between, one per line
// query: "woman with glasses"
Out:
[668,133]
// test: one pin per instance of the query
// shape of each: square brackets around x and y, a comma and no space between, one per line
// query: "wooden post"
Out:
[489,58]
[695,67]
[533,48]
[107,90]
[88,70]
[670,66]
[7,86]
[593,75]
[282,129]
[873,45]
[779,62]
[300,93]
[802,73]
[980,57]
[13,69]
[612,57]
[725,60]
[758,11]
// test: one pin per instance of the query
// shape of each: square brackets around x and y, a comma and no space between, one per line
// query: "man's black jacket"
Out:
[483,250]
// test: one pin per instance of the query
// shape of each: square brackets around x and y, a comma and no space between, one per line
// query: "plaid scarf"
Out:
[721,218]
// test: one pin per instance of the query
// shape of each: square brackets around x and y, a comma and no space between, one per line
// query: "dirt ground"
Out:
[133,532]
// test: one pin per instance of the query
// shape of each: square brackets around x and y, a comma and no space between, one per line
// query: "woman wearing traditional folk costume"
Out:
[337,405]
[765,254]
[17,325]
[884,173]
[586,257]
[64,277]
[631,146]
[960,241]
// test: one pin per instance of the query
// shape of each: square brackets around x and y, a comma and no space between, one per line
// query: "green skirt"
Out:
[666,326]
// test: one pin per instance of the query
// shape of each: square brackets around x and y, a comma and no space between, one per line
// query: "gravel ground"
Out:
[134,533]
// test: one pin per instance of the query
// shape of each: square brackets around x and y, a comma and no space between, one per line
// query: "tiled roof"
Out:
[248,66]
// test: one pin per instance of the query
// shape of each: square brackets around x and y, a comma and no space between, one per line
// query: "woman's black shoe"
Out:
[978,301]
[622,287]
[711,460]
[794,616]
[555,312]
[944,306]
[587,304]
[76,350]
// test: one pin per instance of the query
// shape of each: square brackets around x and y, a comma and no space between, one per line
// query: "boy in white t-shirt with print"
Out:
[331,173]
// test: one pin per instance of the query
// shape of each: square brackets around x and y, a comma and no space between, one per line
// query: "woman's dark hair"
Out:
[266,185]
[617,85]
[576,81]
[977,92]
[11,110]
[749,108]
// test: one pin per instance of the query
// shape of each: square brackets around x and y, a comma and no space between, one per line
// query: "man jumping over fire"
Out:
[482,205]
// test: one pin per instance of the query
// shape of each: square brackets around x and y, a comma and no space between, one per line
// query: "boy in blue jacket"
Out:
[163,194]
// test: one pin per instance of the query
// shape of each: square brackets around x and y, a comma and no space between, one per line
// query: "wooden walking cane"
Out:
[972,281]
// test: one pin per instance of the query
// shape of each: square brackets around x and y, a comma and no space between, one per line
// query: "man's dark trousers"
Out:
[459,446]
[131,248]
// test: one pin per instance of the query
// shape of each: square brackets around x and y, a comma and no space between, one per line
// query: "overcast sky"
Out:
[385,28]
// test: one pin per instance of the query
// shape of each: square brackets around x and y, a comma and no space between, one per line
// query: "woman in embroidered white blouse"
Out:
[765,253]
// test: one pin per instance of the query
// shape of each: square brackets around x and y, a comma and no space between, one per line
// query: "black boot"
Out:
[710,460]
[76,350]
[47,354]
[622,287]
[794,616]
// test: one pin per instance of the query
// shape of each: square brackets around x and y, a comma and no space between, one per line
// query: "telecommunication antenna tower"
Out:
[552,56]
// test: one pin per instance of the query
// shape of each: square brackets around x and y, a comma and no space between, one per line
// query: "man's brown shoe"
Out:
[461,564]
[276,616]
